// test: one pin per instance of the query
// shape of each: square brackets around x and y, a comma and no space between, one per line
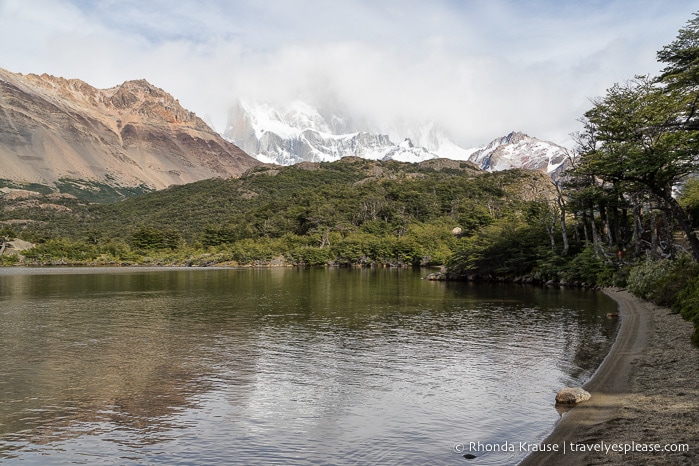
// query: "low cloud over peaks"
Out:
[478,69]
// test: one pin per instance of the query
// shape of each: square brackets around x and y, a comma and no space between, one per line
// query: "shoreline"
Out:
[645,392]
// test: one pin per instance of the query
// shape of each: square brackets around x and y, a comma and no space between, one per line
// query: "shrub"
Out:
[154,238]
[356,248]
[248,251]
[507,247]
[670,283]
[549,265]
[687,304]
[644,278]
[9,259]
[309,255]
[591,268]
[56,250]
[661,281]
[7,231]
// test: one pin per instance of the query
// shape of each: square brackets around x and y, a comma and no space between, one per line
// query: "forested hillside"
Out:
[353,211]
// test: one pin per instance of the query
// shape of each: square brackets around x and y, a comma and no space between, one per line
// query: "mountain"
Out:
[134,135]
[300,132]
[430,137]
[518,150]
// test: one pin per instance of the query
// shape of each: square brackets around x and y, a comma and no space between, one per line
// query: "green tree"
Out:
[630,139]
[154,238]
[508,246]
[214,235]
[681,74]
[689,198]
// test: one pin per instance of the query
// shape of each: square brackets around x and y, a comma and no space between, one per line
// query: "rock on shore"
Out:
[572,395]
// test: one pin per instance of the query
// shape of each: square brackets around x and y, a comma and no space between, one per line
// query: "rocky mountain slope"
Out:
[132,135]
[518,150]
[300,132]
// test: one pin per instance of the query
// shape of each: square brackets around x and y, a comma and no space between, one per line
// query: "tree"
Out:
[689,198]
[633,137]
[681,75]
[154,238]
[561,203]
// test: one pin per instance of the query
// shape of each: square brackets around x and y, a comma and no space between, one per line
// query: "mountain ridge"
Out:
[299,132]
[131,135]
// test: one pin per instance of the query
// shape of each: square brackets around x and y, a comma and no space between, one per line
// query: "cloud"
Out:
[480,69]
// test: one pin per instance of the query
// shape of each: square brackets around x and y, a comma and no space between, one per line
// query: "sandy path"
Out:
[645,392]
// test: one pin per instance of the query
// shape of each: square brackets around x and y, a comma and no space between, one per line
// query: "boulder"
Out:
[572,395]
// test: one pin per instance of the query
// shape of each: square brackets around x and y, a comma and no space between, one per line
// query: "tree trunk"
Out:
[668,237]
[552,239]
[617,222]
[606,227]
[550,224]
[564,234]
[562,210]
[637,228]
[584,225]
[624,227]
[685,222]
[595,235]
[325,241]
[653,234]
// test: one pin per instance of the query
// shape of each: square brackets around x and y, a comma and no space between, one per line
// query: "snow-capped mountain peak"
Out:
[518,150]
[300,132]
[406,151]
[289,122]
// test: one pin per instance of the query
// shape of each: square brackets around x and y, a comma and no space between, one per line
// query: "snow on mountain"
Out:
[518,150]
[300,132]
[432,138]
[406,151]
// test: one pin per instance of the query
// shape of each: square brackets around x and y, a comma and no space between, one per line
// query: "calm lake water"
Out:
[282,366]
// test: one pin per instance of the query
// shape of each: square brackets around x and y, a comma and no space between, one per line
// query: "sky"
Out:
[477,68]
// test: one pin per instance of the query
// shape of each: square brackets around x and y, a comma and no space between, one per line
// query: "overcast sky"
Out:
[479,68]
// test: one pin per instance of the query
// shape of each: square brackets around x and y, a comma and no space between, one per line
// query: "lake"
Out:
[283,366]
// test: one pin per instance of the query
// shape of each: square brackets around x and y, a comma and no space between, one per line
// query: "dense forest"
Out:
[350,212]
[624,213]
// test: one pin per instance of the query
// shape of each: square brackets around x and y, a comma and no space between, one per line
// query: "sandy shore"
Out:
[646,392]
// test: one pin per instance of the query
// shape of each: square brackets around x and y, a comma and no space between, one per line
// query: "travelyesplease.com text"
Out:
[570,447]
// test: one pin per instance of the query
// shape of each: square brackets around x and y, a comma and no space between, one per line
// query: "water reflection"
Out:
[287,366]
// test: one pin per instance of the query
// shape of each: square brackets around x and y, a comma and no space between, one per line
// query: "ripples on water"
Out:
[282,366]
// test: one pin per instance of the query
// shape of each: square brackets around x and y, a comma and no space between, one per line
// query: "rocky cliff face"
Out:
[130,135]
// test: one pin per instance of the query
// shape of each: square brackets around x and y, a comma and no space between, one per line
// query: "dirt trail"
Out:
[646,392]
